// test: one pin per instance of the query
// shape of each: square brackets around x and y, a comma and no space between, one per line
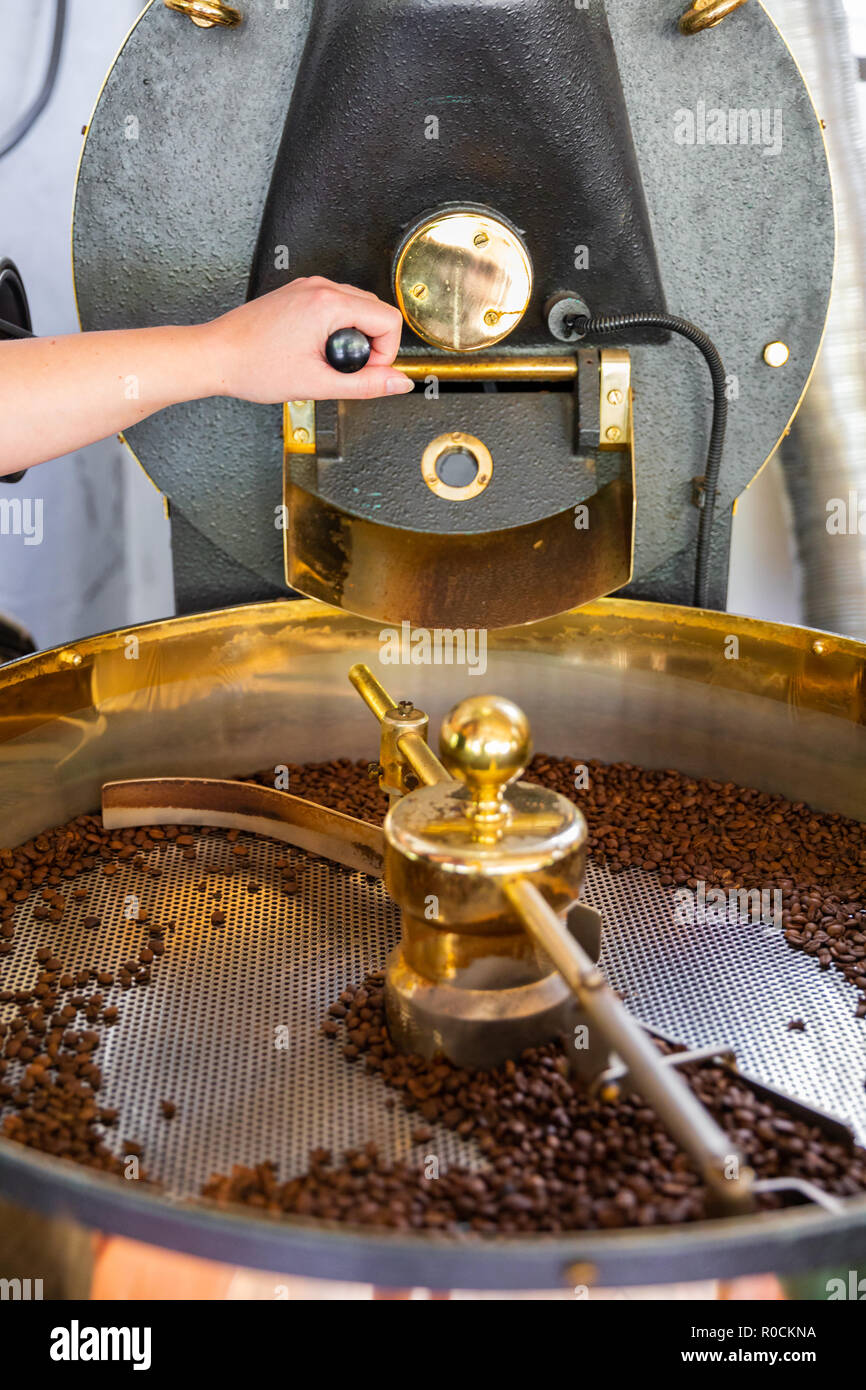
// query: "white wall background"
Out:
[104,559]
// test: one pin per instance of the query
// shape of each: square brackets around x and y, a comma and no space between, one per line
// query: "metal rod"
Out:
[422,760]
[689,1123]
[417,752]
[374,695]
[469,368]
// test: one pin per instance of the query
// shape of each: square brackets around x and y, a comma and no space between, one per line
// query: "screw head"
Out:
[492,317]
[480,239]
[301,436]
[613,433]
[419,291]
[614,397]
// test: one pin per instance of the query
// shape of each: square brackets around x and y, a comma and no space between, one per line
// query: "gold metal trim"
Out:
[299,427]
[456,442]
[706,14]
[552,368]
[614,379]
[206,14]
[240,651]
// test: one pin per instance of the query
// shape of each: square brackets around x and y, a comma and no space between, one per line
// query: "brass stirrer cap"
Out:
[486,742]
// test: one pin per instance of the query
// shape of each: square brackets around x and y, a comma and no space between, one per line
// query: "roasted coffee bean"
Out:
[558,1159]
[553,1159]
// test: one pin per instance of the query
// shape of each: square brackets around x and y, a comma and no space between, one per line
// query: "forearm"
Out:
[59,394]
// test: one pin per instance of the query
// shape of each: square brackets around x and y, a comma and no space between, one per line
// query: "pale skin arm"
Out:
[60,394]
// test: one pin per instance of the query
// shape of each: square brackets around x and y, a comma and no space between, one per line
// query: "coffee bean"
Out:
[553,1159]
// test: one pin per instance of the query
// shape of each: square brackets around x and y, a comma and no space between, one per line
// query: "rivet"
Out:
[301,436]
[492,317]
[776,354]
[481,238]
[70,658]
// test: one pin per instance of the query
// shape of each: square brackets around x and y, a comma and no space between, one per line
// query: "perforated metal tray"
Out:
[230,1027]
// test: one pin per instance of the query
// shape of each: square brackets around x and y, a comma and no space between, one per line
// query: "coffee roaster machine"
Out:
[547,192]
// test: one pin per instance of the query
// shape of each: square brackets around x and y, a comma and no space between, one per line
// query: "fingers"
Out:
[372,382]
[347,306]
[382,323]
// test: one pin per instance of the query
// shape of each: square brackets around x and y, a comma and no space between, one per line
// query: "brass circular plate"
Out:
[454,443]
[462,280]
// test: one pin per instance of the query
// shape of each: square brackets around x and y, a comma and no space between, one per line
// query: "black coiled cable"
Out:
[617,323]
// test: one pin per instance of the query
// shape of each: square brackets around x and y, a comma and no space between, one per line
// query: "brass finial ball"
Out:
[486,741]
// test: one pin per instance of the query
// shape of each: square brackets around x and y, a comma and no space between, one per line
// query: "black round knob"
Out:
[348,350]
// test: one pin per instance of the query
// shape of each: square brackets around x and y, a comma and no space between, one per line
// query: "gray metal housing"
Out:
[174,175]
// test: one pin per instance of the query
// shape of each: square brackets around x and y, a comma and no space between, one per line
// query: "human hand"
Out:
[272,349]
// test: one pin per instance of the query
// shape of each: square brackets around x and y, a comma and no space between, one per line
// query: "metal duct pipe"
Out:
[825,456]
